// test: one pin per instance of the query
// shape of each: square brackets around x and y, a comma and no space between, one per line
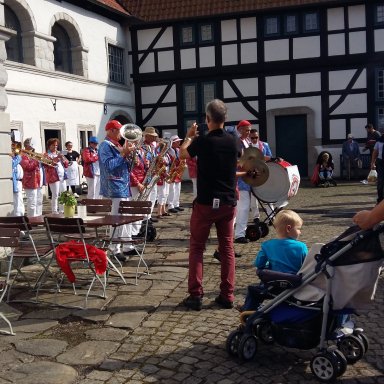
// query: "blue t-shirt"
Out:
[281,255]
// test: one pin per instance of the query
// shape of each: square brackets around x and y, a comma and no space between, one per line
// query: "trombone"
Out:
[16,150]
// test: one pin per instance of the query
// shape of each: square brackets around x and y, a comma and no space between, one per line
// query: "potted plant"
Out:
[69,201]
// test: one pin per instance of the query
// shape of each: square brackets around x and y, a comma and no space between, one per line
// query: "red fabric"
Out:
[113,124]
[65,252]
[31,167]
[243,123]
[89,156]
[315,176]
[192,167]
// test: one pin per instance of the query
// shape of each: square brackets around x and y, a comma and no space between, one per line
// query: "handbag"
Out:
[372,176]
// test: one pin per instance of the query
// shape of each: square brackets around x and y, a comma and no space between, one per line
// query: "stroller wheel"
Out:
[264,229]
[247,347]
[253,232]
[264,332]
[342,362]
[352,348]
[363,337]
[233,341]
[325,366]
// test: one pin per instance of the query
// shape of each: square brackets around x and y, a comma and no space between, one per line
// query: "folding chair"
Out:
[9,240]
[58,228]
[138,208]
[28,248]
[96,207]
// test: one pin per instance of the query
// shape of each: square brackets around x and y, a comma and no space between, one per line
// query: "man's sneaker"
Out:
[119,256]
[179,209]
[242,240]
[130,252]
[256,220]
[153,220]
[216,255]
[173,210]
[193,302]
[224,302]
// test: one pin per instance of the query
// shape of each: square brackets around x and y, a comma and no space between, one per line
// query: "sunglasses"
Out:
[254,137]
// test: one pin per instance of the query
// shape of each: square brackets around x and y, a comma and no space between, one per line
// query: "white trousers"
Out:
[34,202]
[122,230]
[162,193]
[174,195]
[242,213]
[136,225]
[56,188]
[93,187]
[18,204]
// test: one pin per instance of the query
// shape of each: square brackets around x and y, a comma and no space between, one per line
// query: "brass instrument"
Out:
[176,171]
[156,168]
[16,150]
[133,134]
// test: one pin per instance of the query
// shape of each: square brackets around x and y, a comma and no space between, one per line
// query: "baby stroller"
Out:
[336,279]
[272,196]
[323,172]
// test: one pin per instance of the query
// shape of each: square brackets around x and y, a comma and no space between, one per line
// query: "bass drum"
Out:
[283,183]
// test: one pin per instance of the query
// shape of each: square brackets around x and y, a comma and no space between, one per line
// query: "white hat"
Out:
[350,136]
[175,138]
[29,141]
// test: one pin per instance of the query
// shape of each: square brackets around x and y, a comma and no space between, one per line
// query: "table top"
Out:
[92,221]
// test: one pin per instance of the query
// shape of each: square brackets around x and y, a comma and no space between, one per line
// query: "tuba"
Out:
[133,134]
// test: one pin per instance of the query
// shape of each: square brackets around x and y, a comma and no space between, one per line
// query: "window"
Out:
[379,17]
[187,35]
[206,33]
[116,64]
[14,46]
[62,49]
[190,98]
[311,22]
[380,118]
[272,26]
[290,24]
[380,84]
[208,93]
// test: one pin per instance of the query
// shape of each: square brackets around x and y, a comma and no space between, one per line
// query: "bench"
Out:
[366,165]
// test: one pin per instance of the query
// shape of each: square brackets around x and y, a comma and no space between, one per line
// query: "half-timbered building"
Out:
[306,73]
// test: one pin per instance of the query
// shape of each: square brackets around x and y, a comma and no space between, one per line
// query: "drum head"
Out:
[276,187]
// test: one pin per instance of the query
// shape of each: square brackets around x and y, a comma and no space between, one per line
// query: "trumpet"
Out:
[16,150]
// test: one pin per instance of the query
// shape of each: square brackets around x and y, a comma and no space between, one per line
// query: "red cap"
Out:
[113,124]
[243,123]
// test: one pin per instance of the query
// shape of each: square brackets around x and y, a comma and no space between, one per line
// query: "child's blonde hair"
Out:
[286,217]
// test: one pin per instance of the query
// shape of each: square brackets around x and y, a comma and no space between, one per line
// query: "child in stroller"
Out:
[323,172]
[285,254]
[337,278]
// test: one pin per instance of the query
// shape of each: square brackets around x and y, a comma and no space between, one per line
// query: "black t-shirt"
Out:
[72,156]
[217,154]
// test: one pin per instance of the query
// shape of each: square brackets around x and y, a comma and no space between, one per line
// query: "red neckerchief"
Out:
[115,142]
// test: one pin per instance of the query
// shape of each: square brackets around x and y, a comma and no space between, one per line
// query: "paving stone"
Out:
[110,334]
[41,347]
[129,320]
[33,325]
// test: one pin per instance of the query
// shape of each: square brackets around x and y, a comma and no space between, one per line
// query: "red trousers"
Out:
[202,219]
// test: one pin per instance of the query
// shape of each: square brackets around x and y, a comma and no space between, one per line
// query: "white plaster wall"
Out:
[356,16]
[357,127]
[275,85]
[248,53]
[148,65]
[229,54]
[145,37]
[305,47]
[337,129]
[276,50]
[248,87]
[237,112]
[166,60]
[351,104]
[248,28]
[228,30]
[357,42]
[308,82]
[162,116]
[94,30]
[335,17]
[188,58]
[379,40]
[207,57]
[166,39]
[151,95]
[336,44]
[339,80]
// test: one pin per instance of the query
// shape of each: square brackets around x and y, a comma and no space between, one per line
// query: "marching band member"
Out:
[149,147]
[114,179]
[175,181]
[55,175]
[73,158]
[91,168]
[33,181]
[163,186]
[17,176]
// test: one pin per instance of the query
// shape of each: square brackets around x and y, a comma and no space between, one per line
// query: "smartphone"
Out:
[202,129]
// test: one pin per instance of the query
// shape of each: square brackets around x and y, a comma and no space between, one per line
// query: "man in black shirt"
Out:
[217,154]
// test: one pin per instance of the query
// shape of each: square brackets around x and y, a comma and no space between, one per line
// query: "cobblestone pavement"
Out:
[143,335]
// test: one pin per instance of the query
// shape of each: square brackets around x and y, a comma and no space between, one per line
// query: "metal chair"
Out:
[9,241]
[28,249]
[59,227]
[138,208]
[97,207]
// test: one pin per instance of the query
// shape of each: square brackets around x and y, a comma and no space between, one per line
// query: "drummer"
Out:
[266,150]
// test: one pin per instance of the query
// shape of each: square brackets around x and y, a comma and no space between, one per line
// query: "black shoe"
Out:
[216,255]
[242,240]
[173,210]
[131,252]
[179,209]
[193,302]
[237,254]
[256,221]
[224,302]
[153,220]
[120,257]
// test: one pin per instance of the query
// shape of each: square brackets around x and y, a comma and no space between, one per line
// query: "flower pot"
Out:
[69,210]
